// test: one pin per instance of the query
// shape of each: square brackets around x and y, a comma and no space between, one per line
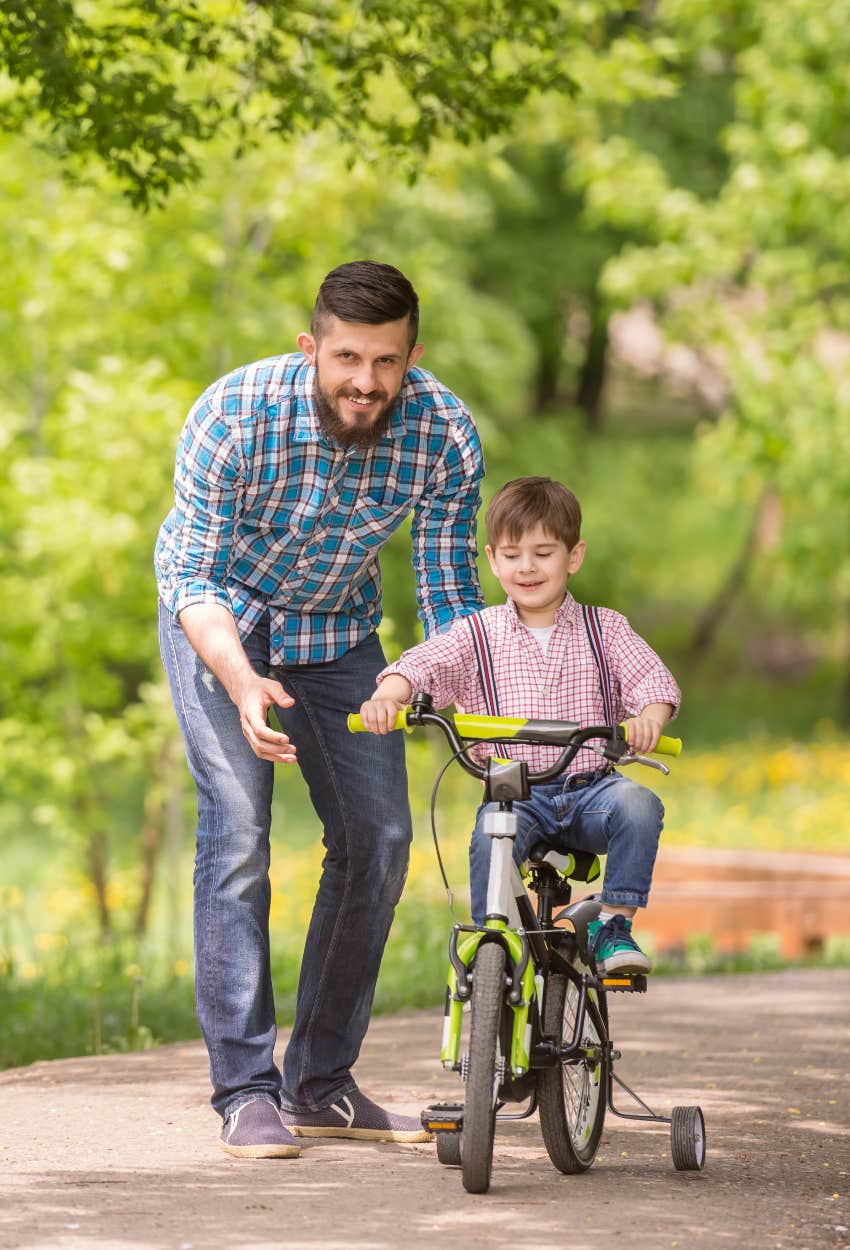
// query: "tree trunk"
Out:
[591,382]
[762,534]
[549,337]
[156,809]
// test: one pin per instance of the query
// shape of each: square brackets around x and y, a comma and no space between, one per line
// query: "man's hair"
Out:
[530,501]
[367,292]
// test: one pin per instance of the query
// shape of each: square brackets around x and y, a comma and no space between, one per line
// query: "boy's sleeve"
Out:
[642,675]
[441,666]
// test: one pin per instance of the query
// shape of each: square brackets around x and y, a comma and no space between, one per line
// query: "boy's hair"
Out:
[530,501]
[366,292]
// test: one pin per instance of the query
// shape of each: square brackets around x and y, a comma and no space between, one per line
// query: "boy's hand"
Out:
[645,730]
[378,715]
[393,694]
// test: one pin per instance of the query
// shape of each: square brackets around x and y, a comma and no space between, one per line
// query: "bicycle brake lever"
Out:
[644,759]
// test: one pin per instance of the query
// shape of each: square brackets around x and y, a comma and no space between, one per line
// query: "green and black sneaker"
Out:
[613,947]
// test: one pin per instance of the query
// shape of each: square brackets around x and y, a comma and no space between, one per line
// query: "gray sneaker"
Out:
[255,1130]
[355,1115]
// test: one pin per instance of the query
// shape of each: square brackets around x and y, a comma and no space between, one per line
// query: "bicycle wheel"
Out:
[572,1096]
[483,1067]
[448,1149]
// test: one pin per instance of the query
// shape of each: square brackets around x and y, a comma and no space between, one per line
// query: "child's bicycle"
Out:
[538,1030]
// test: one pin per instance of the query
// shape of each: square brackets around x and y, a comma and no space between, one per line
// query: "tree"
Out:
[140,85]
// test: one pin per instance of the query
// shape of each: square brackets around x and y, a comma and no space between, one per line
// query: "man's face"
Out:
[359,373]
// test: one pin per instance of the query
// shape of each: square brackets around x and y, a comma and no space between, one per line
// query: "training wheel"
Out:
[448,1149]
[687,1139]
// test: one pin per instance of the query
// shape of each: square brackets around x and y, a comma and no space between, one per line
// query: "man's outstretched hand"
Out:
[253,698]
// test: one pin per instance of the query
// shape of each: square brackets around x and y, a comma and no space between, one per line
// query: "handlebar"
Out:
[464,729]
[514,729]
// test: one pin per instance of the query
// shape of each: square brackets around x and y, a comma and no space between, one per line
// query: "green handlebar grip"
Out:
[355,723]
[664,746]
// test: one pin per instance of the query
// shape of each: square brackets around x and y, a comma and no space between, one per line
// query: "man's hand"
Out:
[392,696]
[253,697]
[645,730]
[212,632]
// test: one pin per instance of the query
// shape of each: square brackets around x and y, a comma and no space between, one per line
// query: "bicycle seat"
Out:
[578,865]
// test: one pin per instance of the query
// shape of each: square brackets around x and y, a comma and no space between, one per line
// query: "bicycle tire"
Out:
[482,1082]
[449,1149]
[572,1096]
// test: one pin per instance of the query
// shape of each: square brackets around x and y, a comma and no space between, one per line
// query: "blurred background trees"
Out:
[628,226]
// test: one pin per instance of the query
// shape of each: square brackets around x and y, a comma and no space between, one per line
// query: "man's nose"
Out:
[364,378]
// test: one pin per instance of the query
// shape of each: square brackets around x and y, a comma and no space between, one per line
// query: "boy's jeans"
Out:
[358,784]
[609,814]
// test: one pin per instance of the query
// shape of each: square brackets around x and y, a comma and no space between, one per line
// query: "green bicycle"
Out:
[538,1031]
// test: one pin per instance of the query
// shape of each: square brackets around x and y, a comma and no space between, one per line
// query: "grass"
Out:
[64,993]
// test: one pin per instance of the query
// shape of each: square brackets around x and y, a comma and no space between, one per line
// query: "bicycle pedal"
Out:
[625,983]
[443,1117]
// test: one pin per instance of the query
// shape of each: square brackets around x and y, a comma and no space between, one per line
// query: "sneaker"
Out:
[613,947]
[355,1115]
[255,1130]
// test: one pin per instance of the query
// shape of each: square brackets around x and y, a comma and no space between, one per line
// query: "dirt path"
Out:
[120,1152]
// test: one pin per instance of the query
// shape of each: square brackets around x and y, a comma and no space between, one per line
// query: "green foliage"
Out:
[139,87]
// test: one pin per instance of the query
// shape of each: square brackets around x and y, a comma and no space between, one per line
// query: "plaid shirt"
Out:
[271,515]
[562,685]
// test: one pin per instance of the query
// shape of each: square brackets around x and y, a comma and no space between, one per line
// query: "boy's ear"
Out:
[488,551]
[576,557]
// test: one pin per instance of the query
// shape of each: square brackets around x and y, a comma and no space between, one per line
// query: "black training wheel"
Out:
[687,1139]
[448,1149]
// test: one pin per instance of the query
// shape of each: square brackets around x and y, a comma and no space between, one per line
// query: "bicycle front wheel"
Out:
[572,1096]
[484,1069]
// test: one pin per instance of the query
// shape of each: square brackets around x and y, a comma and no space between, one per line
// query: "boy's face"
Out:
[533,571]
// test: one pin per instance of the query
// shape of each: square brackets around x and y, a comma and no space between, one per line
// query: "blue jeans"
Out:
[610,815]
[358,785]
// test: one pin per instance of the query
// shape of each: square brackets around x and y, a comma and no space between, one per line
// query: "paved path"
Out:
[119,1152]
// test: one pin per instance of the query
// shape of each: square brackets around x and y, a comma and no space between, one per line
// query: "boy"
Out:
[552,660]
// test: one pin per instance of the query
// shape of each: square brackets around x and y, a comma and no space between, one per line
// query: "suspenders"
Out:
[487,677]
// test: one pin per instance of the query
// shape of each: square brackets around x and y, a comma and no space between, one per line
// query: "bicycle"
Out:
[538,1031]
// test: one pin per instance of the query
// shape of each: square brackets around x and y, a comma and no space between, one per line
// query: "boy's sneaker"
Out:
[613,947]
[355,1115]
[256,1131]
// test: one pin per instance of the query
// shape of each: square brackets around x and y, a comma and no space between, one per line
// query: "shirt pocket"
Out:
[373,522]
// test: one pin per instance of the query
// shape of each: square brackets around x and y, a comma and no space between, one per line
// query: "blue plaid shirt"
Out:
[271,515]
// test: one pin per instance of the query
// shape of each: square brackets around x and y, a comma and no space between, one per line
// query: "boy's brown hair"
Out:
[526,502]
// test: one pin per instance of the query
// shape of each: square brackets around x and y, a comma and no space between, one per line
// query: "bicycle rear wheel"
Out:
[483,1067]
[572,1096]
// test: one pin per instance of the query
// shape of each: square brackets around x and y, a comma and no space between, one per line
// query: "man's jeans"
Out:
[610,814]
[358,784]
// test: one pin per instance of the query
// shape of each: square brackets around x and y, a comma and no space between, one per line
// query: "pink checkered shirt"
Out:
[563,685]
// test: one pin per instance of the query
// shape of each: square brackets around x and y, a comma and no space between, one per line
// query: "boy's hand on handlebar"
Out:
[645,730]
[379,715]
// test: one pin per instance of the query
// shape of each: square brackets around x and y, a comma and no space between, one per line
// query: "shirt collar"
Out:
[563,616]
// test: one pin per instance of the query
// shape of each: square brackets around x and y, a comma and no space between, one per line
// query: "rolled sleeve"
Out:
[445,548]
[208,485]
[643,676]
[440,666]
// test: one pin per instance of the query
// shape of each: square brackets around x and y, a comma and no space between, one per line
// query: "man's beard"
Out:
[366,435]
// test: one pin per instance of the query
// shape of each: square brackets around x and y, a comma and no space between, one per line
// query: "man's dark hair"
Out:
[527,502]
[366,292]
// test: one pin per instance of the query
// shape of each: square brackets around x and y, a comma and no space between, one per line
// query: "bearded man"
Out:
[291,475]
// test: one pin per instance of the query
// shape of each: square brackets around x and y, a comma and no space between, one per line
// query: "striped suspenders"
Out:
[487,677]
[594,637]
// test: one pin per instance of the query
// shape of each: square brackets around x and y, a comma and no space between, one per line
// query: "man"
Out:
[291,475]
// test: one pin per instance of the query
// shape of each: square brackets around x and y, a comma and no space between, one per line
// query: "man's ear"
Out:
[576,557]
[307,345]
[415,354]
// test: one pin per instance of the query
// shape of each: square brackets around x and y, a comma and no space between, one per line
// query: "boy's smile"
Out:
[533,569]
